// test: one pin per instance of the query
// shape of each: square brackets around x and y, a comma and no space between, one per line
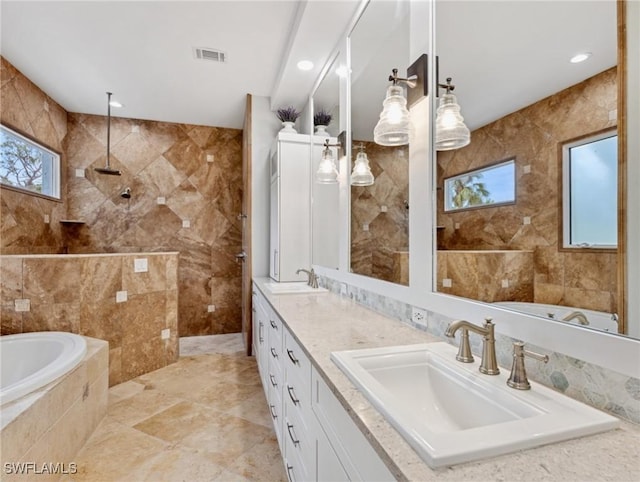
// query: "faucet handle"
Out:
[464,350]
[518,378]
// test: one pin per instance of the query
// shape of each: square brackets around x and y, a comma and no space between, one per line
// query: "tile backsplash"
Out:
[599,387]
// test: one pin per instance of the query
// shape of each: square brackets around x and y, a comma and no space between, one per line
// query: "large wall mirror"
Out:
[379,212]
[525,96]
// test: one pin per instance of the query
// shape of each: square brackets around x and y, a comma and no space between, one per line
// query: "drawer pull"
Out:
[273,411]
[292,395]
[274,353]
[290,473]
[260,337]
[295,441]
[273,324]
[293,358]
[273,380]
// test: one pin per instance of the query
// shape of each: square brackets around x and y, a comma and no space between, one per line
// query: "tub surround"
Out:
[53,423]
[329,322]
[560,277]
[99,296]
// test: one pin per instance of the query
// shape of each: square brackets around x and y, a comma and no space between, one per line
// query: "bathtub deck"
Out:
[203,418]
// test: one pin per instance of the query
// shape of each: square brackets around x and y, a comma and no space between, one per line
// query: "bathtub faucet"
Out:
[577,315]
[489,363]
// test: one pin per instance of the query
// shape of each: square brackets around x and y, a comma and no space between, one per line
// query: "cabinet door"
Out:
[274,238]
[329,467]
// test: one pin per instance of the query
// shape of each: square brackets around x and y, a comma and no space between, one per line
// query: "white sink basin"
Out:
[292,288]
[451,413]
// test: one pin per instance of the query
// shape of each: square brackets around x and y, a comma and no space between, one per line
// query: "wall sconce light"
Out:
[393,127]
[327,172]
[451,131]
[361,175]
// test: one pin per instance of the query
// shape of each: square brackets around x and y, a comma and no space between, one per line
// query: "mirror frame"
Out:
[611,351]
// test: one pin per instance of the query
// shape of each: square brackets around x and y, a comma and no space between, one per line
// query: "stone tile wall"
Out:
[533,135]
[28,110]
[375,249]
[79,294]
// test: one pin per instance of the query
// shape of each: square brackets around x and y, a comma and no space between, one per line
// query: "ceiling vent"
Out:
[204,53]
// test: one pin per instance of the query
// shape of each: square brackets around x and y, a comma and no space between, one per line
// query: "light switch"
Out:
[79,172]
[165,334]
[46,219]
[140,265]
[211,308]
[505,283]
[186,223]
[210,157]
[526,220]
[526,169]
[121,296]
[161,200]
[365,227]
[383,209]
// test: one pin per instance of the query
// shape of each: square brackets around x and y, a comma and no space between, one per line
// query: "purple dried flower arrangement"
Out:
[288,114]
[322,118]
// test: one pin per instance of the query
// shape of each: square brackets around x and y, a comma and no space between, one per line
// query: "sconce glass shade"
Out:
[361,175]
[327,172]
[451,131]
[393,127]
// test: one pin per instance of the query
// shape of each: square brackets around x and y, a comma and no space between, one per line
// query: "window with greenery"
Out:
[590,191]
[487,187]
[27,165]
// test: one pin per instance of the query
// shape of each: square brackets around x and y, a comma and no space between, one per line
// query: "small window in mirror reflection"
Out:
[590,191]
[490,186]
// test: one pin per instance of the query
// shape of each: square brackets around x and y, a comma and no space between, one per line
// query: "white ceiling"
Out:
[142,52]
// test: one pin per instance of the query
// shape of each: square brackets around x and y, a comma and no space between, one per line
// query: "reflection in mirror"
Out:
[325,197]
[526,107]
[379,212]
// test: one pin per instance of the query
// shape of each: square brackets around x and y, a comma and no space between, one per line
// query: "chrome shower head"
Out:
[126,193]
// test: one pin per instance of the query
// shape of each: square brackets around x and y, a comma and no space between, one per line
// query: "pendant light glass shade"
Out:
[361,175]
[451,131]
[327,172]
[393,127]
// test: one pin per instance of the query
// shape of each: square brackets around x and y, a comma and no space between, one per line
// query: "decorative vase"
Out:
[288,127]
[321,130]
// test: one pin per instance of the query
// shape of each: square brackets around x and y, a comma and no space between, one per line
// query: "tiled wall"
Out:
[186,184]
[375,248]
[186,192]
[594,385]
[98,296]
[28,110]
[532,135]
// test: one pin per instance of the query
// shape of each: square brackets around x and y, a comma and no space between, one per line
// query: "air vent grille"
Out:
[213,55]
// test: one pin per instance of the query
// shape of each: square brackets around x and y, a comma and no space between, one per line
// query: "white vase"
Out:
[288,127]
[321,130]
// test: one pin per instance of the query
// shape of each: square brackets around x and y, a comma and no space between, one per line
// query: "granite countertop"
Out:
[326,322]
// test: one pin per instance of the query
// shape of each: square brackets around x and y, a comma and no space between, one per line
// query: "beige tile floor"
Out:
[203,418]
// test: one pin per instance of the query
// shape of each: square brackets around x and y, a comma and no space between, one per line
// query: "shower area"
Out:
[139,247]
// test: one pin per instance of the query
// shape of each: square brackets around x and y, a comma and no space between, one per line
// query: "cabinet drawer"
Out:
[276,411]
[296,364]
[300,432]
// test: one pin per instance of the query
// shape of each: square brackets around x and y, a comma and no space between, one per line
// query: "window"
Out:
[487,187]
[590,191]
[27,165]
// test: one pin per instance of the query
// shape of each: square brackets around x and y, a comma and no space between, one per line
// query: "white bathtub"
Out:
[597,319]
[29,361]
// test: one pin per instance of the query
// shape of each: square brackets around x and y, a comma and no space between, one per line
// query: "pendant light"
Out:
[327,172]
[451,131]
[107,169]
[393,126]
[361,175]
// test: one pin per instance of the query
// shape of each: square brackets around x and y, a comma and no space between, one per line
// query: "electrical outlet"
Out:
[418,315]
[165,334]
[186,223]
[22,305]
[343,289]
[383,209]
[47,219]
[121,296]
[79,172]
[140,265]
[456,226]
[210,157]
[526,169]
[211,308]
[446,283]
[526,220]
[505,283]
[161,200]
[365,227]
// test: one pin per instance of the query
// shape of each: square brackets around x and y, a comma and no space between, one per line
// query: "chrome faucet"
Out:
[577,315]
[312,277]
[518,378]
[489,364]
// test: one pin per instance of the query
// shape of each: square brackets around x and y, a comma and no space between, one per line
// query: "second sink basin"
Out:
[450,413]
[291,288]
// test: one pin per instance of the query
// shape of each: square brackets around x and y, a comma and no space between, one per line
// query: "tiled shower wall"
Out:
[28,110]
[186,184]
[100,296]
[380,216]
[594,385]
[533,135]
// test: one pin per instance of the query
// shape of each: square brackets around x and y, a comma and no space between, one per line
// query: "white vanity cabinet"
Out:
[290,223]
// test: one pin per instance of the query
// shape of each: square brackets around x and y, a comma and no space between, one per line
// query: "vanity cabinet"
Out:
[290,209]
[317,438]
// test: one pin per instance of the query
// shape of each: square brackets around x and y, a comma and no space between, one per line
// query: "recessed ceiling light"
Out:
[576,59]
[115,103]
[305,65]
